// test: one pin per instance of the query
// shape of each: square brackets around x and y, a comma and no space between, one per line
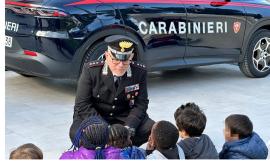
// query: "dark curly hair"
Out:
[93,134]
[119,136]
[165,135]
[190,117]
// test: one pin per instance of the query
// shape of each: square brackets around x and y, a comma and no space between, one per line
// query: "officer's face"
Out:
[116,66]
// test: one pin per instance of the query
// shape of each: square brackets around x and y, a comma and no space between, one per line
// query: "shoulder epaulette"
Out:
[95,63]
[139,65]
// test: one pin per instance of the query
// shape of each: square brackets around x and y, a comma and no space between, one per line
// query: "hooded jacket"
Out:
[132,152]
[167,154]
[83,153]
[251,147]
[199,148]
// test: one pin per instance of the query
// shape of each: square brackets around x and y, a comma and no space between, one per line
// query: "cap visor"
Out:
[122,57]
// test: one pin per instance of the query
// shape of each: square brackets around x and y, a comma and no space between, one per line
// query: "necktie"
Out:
[116,81]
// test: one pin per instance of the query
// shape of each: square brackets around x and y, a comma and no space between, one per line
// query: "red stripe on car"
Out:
[202,2]
[21,4]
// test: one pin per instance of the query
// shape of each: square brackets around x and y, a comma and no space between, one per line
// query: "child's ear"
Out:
[183,134]
[129,141]
[150,139]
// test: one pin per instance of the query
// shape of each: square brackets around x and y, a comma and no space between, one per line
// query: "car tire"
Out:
[95,52]
[256,63]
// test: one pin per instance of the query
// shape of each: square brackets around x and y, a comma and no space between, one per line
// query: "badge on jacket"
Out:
[132,88]
[132,91]
[131,103]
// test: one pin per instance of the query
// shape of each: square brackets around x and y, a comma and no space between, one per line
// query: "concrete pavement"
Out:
[40,110]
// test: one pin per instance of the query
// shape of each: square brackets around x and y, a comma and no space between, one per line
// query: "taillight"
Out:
[32,9]
[50,13]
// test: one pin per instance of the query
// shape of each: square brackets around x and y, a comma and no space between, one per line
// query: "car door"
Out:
[215,30]
[156,23]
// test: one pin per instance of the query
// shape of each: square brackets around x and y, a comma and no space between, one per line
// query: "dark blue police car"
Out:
[54,38]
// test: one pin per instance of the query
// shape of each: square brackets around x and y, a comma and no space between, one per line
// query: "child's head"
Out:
[119,136]
[26,151]
[164,135]
[93,134]
[190,120]
[237,127]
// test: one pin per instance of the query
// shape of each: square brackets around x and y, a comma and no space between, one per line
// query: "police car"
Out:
[54,38]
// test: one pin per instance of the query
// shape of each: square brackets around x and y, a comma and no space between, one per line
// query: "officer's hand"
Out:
[131,131]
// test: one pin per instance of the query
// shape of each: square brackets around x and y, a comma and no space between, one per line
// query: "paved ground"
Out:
[40,110]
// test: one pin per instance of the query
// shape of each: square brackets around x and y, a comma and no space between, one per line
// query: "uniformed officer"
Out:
[116,90]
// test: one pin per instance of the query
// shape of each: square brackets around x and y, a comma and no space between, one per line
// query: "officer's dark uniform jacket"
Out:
[97,94]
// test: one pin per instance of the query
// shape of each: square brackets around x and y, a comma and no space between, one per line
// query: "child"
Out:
[90,141]
[162,142]
[191,123]
[119,137]
[241,141]
[26,151]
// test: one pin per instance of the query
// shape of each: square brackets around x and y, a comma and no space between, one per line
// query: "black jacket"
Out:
[96,94]
[199,148]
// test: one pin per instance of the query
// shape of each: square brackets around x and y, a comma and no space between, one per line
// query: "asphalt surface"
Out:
[40,110]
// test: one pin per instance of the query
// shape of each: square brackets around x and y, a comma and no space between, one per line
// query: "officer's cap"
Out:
[121,46]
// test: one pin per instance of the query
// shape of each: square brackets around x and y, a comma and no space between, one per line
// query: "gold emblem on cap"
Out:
[125,44]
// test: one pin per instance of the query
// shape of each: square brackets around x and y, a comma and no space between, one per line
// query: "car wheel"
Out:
[95,52]
[256,62]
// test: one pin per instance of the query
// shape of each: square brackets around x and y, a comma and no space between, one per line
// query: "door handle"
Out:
[197,8]
[136,7]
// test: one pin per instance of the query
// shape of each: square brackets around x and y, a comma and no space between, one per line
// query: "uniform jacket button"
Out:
[113,106]
[111,114]
[98,96]
[115,99]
